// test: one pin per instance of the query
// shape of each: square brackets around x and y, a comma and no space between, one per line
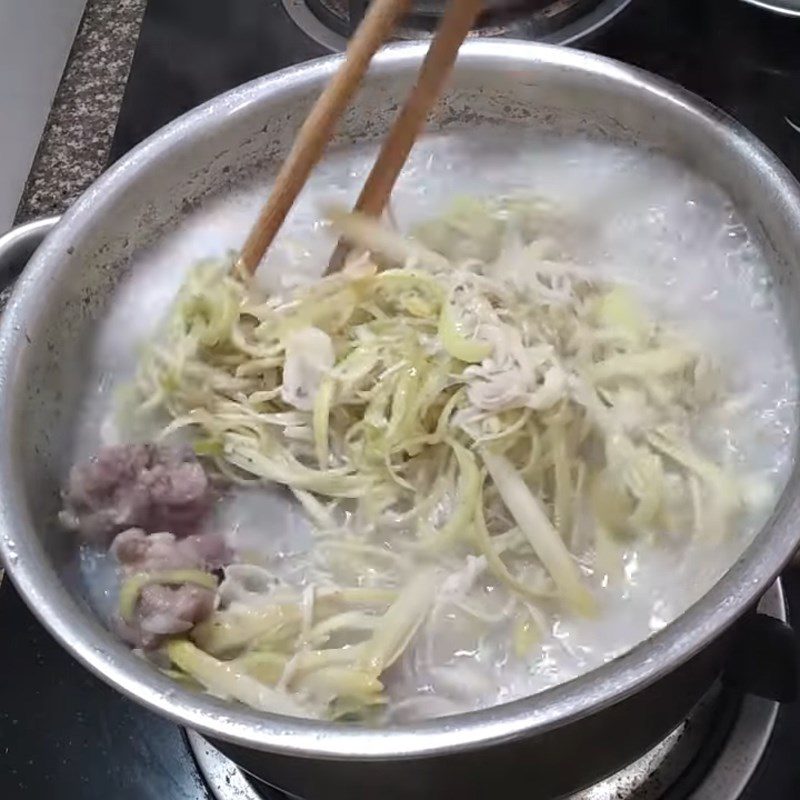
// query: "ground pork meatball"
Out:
[147,486]
[138,551]
[164,610]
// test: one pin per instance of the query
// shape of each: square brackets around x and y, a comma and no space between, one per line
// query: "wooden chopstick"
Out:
[458,19]
[374,30]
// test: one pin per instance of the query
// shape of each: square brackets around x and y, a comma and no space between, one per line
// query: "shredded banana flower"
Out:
[446,410]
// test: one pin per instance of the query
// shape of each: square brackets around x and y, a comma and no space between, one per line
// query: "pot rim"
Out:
[107,658]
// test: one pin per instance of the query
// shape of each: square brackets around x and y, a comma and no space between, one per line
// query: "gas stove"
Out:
[62,732]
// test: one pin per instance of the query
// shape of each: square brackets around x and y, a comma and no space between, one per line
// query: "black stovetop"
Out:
[65,734]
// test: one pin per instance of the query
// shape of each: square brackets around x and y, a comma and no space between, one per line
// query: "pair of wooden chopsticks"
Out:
[375,29]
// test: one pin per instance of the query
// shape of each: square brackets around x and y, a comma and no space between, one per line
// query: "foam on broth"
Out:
[640,218]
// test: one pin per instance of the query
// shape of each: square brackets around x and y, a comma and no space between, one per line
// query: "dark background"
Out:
[65,734]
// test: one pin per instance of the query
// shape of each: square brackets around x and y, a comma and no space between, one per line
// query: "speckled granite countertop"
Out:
[76,141]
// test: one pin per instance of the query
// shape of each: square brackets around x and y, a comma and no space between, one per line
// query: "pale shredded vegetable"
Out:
[448,410]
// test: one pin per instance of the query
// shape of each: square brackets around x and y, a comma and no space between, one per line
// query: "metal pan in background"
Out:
[550,741]
[789,8]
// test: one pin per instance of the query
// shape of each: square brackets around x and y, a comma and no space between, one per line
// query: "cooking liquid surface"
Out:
[639,219]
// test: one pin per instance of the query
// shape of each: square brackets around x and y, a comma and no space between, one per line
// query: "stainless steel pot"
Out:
[545,745]
[551,21]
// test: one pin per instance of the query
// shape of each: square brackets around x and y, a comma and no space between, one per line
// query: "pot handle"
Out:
[764,659]
[19,244]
